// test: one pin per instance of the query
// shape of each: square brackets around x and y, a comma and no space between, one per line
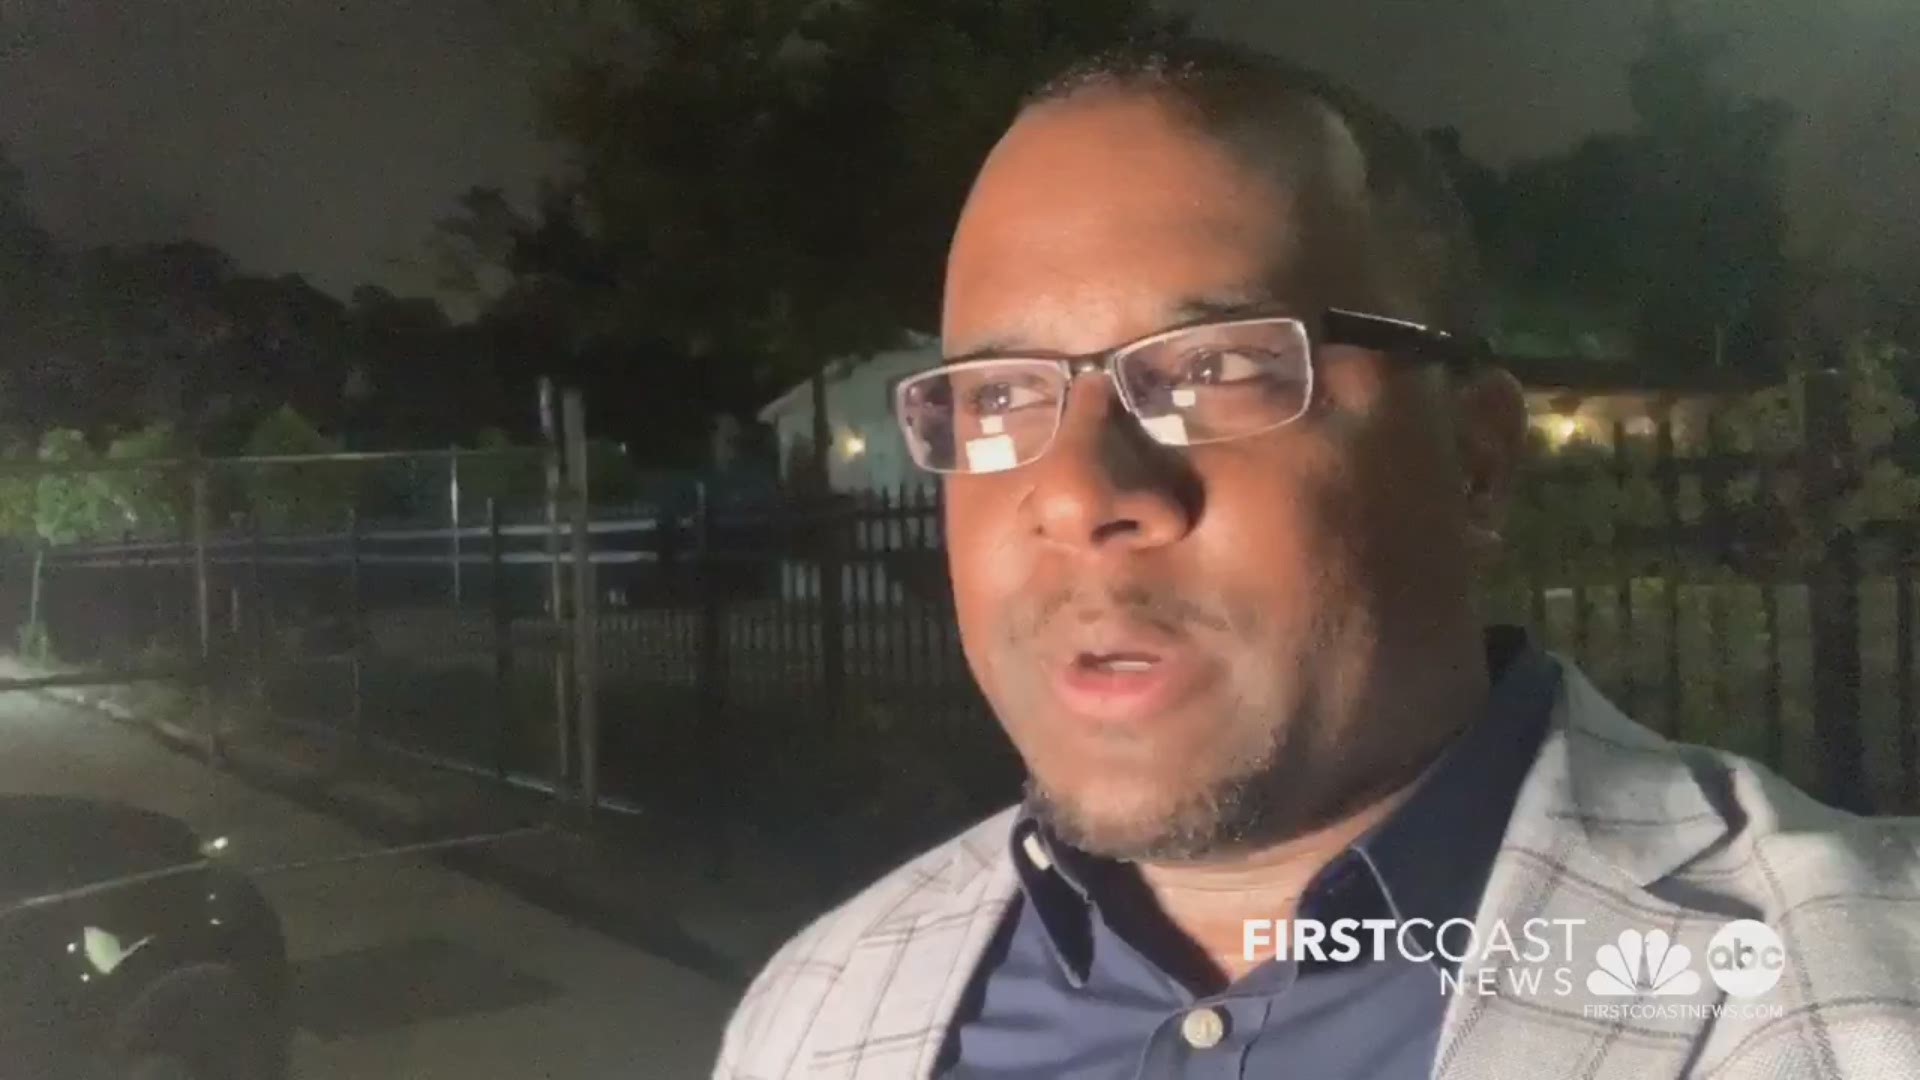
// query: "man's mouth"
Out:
[1127,684]
[1117,662]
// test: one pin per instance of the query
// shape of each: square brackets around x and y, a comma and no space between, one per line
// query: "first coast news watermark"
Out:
[1637,975]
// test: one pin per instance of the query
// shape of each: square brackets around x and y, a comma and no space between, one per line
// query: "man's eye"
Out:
[1000,398]
[1217,367]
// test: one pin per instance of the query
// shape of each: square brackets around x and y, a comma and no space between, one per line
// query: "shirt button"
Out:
[1203,1028]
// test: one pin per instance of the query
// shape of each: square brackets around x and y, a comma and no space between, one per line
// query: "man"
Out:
[1219,484]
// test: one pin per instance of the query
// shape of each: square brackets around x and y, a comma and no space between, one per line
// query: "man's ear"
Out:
[1490,412]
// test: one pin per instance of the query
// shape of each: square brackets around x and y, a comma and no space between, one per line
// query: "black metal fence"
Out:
[783,657]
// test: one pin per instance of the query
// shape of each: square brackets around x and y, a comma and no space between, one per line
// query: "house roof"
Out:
[1593,375]
[916,346]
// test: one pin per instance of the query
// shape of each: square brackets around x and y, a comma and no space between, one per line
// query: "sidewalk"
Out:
[646,882]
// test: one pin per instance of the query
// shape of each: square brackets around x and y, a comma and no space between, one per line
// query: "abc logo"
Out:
[1746,958]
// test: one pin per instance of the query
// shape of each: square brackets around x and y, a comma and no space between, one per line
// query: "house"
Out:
[867,452]
[1581,400]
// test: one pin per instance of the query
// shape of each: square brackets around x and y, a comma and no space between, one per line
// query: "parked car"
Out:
[128,951]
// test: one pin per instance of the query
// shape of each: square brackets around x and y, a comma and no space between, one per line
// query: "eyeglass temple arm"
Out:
[1382,334]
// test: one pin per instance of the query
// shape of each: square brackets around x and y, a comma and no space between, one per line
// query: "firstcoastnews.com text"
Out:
[1680,1010]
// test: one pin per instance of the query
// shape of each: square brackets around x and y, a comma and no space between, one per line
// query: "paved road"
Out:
[406,970]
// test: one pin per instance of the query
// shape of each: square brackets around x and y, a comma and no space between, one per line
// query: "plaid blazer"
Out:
[1613,824]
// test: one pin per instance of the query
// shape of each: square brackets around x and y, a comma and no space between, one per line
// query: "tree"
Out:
[284,498]
[756,186]
[30,285]
[117,336]
[147,502]
[149,320]
[80,506]
[1563,246]
[1709,244]
[417,380]
[16,489]
[1665,239]
[26,250]
[60,507]
[472,250]
[77,506]
[175,331]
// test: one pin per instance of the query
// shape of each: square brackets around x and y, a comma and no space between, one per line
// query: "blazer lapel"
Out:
[888,1015]
[1608,812]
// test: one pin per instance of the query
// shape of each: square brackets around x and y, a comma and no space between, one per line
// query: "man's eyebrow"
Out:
[993,348]
[1194,309]
[1207,308]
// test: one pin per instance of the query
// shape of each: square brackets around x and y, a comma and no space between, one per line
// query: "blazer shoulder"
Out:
[1747,816]
[1816,849]
[1842,891]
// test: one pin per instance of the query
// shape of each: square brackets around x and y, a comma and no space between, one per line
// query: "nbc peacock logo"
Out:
[1651,963]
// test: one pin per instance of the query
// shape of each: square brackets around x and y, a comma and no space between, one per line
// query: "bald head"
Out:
[1373,184]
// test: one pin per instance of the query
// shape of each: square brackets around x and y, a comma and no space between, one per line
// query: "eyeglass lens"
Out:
[1197,385]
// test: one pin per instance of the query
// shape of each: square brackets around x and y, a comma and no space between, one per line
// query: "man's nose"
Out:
[1104,483]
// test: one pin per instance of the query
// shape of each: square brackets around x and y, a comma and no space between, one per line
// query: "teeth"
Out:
[1127,665]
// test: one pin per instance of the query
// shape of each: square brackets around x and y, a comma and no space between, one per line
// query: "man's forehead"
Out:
[1034,310]
[1097,221]
[1036,329]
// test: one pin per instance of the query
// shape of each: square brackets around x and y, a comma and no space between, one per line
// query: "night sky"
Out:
[323,136]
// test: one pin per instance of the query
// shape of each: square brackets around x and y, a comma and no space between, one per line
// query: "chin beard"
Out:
[1234,816]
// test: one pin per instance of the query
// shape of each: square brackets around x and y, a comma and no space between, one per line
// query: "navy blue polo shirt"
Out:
[1077,986]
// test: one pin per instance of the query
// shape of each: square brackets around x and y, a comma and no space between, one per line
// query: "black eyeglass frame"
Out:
[1338,326]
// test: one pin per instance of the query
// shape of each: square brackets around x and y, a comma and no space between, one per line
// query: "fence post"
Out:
[934,619]
[144,619]
[557,600]
[502,641]
[833,645]
[885,558]
[1625,642]
[711,677]
[856,613]
[1909,740]
[1835,601]
[1718,606]
[356,633]
[1668,466]
[203,609]
[1775,704]
[453,512]
[257,624]
[585,609]
[129,637]
[830,557]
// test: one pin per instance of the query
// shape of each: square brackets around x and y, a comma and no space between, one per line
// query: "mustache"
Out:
[1162,609]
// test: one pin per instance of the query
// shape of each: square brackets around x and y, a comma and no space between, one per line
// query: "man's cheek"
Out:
[991,593]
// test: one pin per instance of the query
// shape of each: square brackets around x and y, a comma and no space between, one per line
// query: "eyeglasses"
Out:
[1192,385]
